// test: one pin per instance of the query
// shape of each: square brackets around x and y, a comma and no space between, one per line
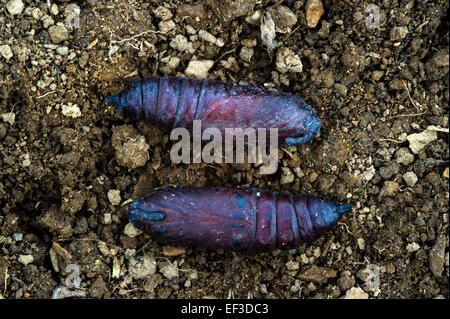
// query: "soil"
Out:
[371,88]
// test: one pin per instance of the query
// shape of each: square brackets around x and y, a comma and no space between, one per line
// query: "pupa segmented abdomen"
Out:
[244,219]
[170,102]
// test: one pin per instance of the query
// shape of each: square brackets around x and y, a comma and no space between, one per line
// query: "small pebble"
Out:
[283,18]
[249,43]
[25,259]
[171,251]
[441,59]
[304,259]
[199,68]
[47,21]
[412,247]
[62,50]
[418,141]
[296,286]
[410,178]
[131,231]
[173,62]
[361,243]
[268,33]
[166,26]
[288,61]
[58,33]
[341,89]
[190,29]
[17,236]
[390,188]
[5,51]
[26,162]
[255,17]
[312,177]
[346,281]
[107,218]
[388,171]
[169,271]
[54,10]
[355,293]
[54,260]
[246,54]
[349,250]
[179,42]
[287,177]
[9,118]
[398,33]
[37,14]
[142,267]
[403,156]
[316,252]
[437,256]
[163,13]
[208,37]
[263,289]
[318,274]
[377,75]
[292,265]
[70,110]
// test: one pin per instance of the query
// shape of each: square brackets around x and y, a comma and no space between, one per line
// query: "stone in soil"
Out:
[5,51]
[388,171]
[231,9]
[15,7]
[58,33]
[131,148]
[169,271]
[437,256]
[180,43]
[418,141]
[114,196]
[163,13]
[356,293]
[403,156]
[283,18]
[131,231]
[390,188]
[171,251]
[410,178]
[346,281]
[288,61]
[25,259]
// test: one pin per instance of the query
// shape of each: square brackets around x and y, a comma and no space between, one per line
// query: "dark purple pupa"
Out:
[244,219]
[170,102]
